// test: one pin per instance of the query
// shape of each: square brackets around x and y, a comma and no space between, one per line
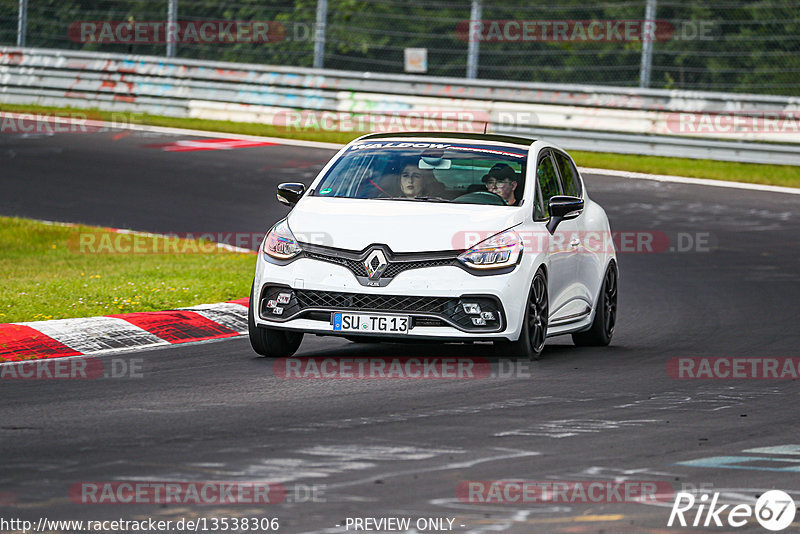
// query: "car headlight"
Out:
[501,250]
[280,243]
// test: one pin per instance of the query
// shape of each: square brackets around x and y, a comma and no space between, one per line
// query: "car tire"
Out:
[534,324]
[270,342]
[605,317]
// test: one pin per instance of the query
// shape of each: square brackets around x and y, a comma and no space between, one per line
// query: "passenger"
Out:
[416,182]
[502,181]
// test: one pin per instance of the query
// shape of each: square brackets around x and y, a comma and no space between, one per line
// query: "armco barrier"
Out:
[612,119]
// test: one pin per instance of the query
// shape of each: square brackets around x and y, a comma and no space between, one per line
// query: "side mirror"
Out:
[563,208]
[289,194]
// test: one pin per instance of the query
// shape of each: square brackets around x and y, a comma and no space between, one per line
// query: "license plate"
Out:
[357,322]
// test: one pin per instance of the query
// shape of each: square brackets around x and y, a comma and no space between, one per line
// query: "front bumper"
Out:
[432,297]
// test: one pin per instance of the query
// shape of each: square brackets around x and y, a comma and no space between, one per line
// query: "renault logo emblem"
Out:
[375,264]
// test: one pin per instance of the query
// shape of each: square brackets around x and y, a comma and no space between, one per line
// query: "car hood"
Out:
[405,226]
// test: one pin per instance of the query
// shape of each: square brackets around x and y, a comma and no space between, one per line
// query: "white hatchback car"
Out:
[441,237]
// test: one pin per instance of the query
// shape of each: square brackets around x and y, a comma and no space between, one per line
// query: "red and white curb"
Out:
[112,333]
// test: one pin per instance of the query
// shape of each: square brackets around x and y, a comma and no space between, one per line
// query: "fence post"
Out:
[22,22]
[474,43]
[172,21]
[647,44]
[319,34]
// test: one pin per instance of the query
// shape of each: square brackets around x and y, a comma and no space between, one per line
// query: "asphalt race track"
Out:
[401,448]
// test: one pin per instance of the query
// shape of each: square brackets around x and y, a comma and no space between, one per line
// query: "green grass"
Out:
[48,275]
[785,175]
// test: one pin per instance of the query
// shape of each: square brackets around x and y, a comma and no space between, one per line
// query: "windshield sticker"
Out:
[370,146]
[325,191]
[398,145]
[486,151]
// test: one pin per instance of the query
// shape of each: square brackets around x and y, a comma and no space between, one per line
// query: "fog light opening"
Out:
[471,308]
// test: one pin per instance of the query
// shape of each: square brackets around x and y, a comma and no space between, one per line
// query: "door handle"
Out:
[575,243]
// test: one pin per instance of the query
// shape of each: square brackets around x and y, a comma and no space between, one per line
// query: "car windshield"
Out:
[428,172]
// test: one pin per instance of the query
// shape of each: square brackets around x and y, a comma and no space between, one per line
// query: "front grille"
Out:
[356,266]
[424,311]
[395,267]
[386,303]
[428,321]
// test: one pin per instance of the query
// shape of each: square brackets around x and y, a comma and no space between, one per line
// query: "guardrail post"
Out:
[474,42]
[647,44]
[172,21]
[22,22]
[319,34]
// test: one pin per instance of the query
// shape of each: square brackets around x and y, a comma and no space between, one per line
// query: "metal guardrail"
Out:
[596,118]
[657,145]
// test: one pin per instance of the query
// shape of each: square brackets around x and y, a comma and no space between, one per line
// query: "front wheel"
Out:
[270,342]
[605,316]
[534,324]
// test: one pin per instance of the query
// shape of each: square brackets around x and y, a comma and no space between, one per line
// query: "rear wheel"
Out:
[534,325]
[605,317]
[270,342]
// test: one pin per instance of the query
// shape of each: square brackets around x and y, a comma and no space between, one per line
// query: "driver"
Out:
[502,181]
[416,182]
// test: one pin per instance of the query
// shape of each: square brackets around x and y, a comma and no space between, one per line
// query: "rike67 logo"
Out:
[774,510]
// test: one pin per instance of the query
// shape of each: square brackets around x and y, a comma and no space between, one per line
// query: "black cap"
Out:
[501,171]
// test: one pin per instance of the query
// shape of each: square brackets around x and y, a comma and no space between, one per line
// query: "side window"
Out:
[569,175]
[548,184]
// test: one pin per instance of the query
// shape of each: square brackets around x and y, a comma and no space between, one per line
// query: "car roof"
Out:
[491,137]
